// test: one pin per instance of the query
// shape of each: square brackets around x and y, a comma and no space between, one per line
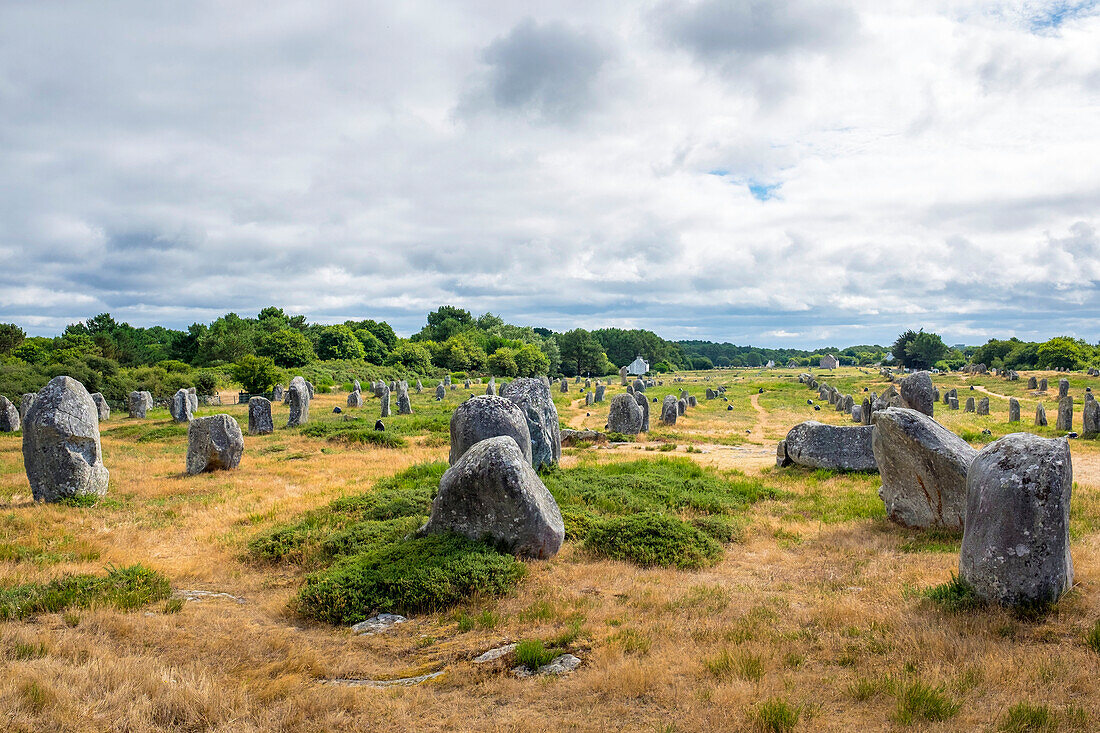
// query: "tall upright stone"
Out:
[1015,547]
[491,388]
[404,405]
[623,376]
[983,406]
[299,399]
[193,399]
[1090,417]
[564,384]
[917,393]
[1040,415]
[355,399]
[61,449]
[1043,384]
[600,388]
[1013,409]
[139,403]
[865,411]
[384,399]
[1032,383]
[639,386]
[278,394]
[9,416]
[669,412]
[639,397]
[419,387]
[260,421]
[1063,388]
[214,443]
[970,404]
[180,406]
[103,410]
[681,406]
[25,403]
[440,391]
[533,398]
[624,416]
[1065,413]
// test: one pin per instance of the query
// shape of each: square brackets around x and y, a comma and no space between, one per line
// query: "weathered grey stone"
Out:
[923,467]
[491,388]
[572,437]
[692,401]
[1043,384]
[639,386]
[589,399]
[139,403]
[644,404]
[355,399]
[278,394]
[681,406]
[533,398]
[180,406]
[1040,415]
[488,416]
[9,416]
[668,410]
[600,391]
[193,399]
[970,404]
[309,387]
[419,387]
[25,403]
[917,393]
[214,443]
[818,445]
[492,491]
[623,376]
[467,384]
[103,410]
[404,404]
[384,400]
[983,406]
[710,393]
[625,415]
[298,397]
[782,460]
[1032,383]
[935,395]
[953,402]
[684,394]
[61,449]
[1065,414]
[564,384]
[1015,548]
[1063,388]
[857,413]
[260,421]
[1013,409]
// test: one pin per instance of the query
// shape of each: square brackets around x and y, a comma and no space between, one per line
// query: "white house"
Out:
[770,364]
[829,362]
[638,367]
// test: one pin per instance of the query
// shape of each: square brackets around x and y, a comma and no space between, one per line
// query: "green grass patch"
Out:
[918,702]
[534,653]
[954,596]
[122,588]
[351,432]
[1027,718]
[721,528]
[423,574]
[775,716]
[1092,638]
[653,539]
[933,540]
[149,432]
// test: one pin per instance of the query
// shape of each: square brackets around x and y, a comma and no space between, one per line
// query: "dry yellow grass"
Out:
[815,606]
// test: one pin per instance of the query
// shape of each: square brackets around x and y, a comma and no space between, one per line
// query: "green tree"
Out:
[918,349]
[580,352]
[502,363]
[531,361]
[411,356]
[374,351]
[339,342]
[444,322]
[701,362]
[460,353]
[288,347]
[255,373]
[1064,352]
[11,336]
[226,340]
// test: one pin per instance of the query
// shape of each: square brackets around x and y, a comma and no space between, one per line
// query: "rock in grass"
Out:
[260,421]
[983,406]
[917,393]
[299,397]
[493,492]
[384,400]
[625,415]
[9,416]
[404,405]
[377,624]
[1090,416]
[103,410]
[139,403]
[643,403]
[440,391]
[214,443]
[61,449]
[1040,415]
[923,467]
[1015,548]
[817,445]
[1065,413]
[27,400]
[488,416]
[1013,409]
[355,399]
[669,411]
[782,460]
[180,406]
[1063,388]
[533,398]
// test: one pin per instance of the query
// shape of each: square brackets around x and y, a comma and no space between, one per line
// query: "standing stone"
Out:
[644,404]
[214,443]
[533,398]
[818,445]
[639,386]
[466,384]
[1015,548]
[385,400]
[564,384]
[983,406]
[139,403]
[1040,415]
[630,389]
[935,395]
[865,411]
[61,449]
[681,406]
[710,393]
[857,413]
[355,399]
[923,468]
[1032,383]
[625,415]
[782,460]
[180,406]
[193,399]
[953,403]
[491,388]
[103,410]
[419,387]
[298,397]
[622,375]
[440,391]
[1090,417]
[492,492]
[917,393]
[278,393]
[600,392]
[587,383]
[1043,384]
[309,387]
[692,401]
[1013,409]
[25,403]
[260,421]
[589,398]
[970,404]
[668,410]
[488,416]
[404,405]
[9,416]
[1065,414]
[1063,388]
[447,380]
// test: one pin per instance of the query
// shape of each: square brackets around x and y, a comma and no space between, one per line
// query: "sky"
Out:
[785,174]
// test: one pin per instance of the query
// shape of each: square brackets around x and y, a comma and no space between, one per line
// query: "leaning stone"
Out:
[9,416]
[533,398]
[484,417]
[923,467]
[491,388]
[983,406]
[214,443]
[1040,415]
[355,399]
[493,492]
[180,406]
[299,397]
[419,387]
[1015,548]
[917,393]
[669,412]
[1065,413]
[644,404]
[818,445]
[260,421]
[61,449]
[625,415]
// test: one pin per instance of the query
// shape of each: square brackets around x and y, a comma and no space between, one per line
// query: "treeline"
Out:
[707,355]
[1060,352]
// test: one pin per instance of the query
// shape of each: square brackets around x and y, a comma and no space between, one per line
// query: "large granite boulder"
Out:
[139,403]
[493,492]
[355,399]
[180,406]
[917,393]
[624,415]
[214,443]
[923,467]
[817,445]
[669,413]
[9,416]
[61,449]
[298,396]
[260,421]
[488,416]
[533,398]
[1015,548]
[103,410]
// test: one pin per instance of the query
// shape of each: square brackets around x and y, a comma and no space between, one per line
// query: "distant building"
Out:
[770,364]
[792,364]
[829,362]
[638,367]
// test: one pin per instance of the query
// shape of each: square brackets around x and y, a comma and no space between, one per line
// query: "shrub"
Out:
[256,373]
[123,588]
[1092,638]
[653,539]
[423,574]
[720,528]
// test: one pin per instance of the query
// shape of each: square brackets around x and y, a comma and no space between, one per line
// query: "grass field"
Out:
[799,608]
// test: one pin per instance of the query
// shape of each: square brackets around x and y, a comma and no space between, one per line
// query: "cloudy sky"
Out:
[777,173]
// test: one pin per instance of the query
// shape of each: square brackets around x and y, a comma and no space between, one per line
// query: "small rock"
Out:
[380,426]
[336,410]
[494,654]
[378,624]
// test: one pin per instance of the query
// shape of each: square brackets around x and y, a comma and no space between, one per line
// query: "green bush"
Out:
[720,528]
[653,539]
[423,574]
[352,431]
[122,588]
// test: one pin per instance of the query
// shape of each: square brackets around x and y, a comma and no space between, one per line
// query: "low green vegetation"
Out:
[1092,638]
[1027,718]
[954,596]
[776,716]
[653,539]
[353,431]
[919,702]
[121,588]
[534,653]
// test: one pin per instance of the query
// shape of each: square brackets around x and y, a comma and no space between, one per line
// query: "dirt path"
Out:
[979,388]
[757,432]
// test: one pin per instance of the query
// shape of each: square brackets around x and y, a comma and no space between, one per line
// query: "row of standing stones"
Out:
[1011,500]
